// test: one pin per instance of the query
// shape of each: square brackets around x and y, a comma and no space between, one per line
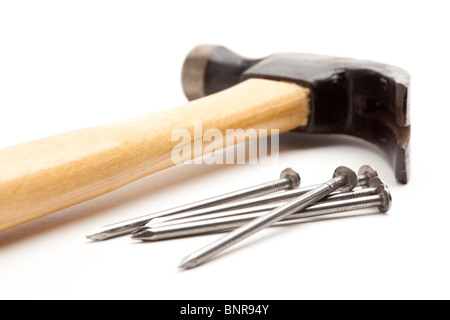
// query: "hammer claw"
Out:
[361,98]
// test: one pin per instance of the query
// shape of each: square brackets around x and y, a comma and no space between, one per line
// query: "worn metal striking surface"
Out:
[361,98]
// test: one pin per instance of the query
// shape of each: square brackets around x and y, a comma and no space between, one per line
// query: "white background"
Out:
[71,64]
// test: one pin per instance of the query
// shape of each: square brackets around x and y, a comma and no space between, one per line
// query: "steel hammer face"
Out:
[365,99]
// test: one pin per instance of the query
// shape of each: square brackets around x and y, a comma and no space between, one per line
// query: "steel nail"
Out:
[241,212]
[365,175]
[344,179]
[376,196]
[289,179]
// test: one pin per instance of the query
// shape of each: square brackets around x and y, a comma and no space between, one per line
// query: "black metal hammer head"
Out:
[365,99]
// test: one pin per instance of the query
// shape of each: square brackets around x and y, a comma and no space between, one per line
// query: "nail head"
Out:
[293,176]
[352,178]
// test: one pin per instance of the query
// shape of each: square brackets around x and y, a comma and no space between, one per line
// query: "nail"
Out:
[374,196]
[343,179]
[365,175]
[289,179]
[262,208]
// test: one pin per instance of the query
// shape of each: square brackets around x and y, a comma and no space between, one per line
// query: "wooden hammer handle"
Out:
[46,175]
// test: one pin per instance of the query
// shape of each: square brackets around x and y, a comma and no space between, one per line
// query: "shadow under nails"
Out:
[281,228]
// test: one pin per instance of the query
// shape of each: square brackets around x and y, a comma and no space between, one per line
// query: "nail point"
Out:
[143,233]
[188,263]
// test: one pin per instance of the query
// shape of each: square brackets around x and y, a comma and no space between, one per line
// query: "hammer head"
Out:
[365,99]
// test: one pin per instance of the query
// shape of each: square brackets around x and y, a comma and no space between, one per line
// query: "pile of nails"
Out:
[247,211]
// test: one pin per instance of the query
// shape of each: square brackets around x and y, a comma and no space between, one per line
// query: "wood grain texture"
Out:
[46,175]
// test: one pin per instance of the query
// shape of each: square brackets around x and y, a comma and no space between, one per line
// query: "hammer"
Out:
[301,92]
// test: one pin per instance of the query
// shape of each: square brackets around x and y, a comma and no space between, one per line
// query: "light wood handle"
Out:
[46,175]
